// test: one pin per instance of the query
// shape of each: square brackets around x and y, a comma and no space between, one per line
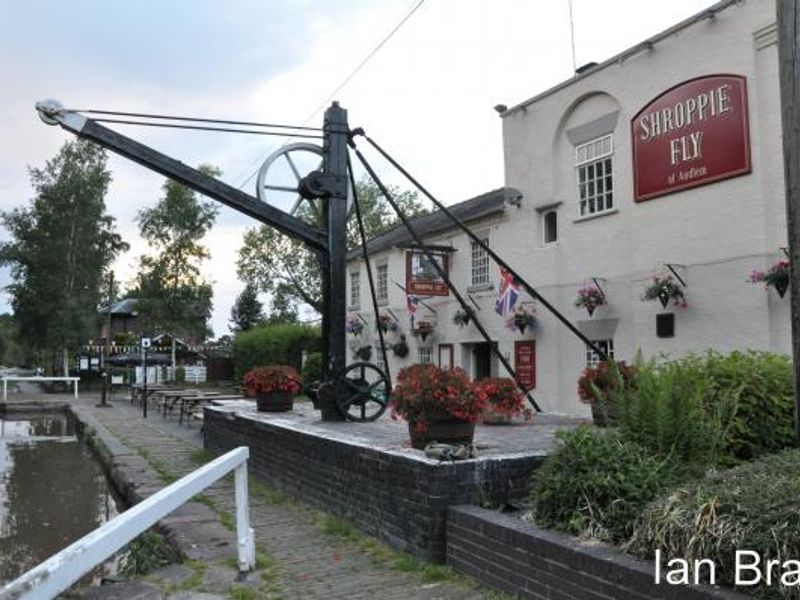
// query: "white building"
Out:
[702,197]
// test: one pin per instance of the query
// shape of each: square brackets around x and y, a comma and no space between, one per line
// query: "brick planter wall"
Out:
[507,553]
[398,497]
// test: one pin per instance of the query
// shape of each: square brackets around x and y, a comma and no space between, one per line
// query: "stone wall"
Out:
[515,556]
[395,497]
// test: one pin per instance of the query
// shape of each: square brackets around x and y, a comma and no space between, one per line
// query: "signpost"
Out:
[145,345]
[421,275]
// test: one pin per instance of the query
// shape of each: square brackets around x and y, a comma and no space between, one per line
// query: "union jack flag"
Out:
[412,302]
[507,294]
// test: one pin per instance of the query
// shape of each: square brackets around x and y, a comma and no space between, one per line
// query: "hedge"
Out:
[274,345]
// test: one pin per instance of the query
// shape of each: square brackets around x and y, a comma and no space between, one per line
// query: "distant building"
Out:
[665,160]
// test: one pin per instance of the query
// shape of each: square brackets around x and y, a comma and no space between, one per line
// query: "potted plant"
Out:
[364,352]
[522,319]
[354,326]
[462,317]
[273,387]
[439,404]
[504,400]
[423,329]
[597,386]
[665,289]
[777,277]
[400,349]
[387,323]
[590,297]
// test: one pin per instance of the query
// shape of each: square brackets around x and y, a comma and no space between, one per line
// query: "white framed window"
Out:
[480,263]
[382,277]
[593,358]
[593,162]
[550,227]
[425,355]
[355,289]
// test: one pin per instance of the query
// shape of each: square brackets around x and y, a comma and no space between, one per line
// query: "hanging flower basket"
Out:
[424,329]
[777,277]
[364,353]
[387,323]
[400,349]
[354,326]
[521,319]
[462,317]
[665,289]
[590,297]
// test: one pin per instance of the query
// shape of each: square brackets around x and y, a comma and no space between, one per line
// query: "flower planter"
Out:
[492,417]
[275,402]
[443,429]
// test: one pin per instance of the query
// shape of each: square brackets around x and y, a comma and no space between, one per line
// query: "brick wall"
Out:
[395,497]
[515,556]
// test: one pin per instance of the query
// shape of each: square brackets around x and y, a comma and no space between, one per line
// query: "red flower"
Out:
[502,395]
[263,380]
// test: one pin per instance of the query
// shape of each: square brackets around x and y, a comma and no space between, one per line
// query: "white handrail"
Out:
[61,570]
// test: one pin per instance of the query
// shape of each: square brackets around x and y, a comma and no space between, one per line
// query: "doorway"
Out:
[483,361]
[446,356]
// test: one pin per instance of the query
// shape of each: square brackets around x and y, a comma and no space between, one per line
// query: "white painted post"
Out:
[76,388]
[5,389]
[244,533]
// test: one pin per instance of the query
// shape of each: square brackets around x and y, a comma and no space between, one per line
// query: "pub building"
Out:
[663,161]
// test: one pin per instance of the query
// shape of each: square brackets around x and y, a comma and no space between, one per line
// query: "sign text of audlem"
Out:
[693,134]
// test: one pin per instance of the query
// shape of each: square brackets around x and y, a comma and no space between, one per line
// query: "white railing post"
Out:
[244,533]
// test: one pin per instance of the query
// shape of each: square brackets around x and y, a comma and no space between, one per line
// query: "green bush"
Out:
[595,484]
[669,410]
[759,385]
[312,370]
[274,345]
[754,506]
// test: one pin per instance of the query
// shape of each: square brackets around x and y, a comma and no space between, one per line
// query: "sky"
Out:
[427,95]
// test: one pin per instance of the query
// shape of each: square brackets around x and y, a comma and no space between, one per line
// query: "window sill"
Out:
[550,246]
[598,215]
[354,307]
[481,287]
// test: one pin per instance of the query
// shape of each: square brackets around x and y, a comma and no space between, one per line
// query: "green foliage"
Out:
[247,312]
[753,506]
[312,370]
[273,345]
[596,483]
[286,269]
[668,411]
[59,248]
[146,553]
[173,297]
[759,386]
[711,409]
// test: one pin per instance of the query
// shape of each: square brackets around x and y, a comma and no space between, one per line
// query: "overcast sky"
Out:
[426,96]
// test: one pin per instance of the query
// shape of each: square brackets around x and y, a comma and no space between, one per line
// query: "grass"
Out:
[201,457]
[380,554]
[266,493]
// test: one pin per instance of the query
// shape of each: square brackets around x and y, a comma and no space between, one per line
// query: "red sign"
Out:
[693,134]
[422,278]
[525,363]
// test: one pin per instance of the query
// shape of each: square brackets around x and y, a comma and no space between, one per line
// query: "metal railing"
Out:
[61,570]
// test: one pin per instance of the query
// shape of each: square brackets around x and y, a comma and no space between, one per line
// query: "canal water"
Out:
[52,490]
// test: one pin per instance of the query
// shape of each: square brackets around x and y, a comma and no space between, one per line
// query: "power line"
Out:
[347,79]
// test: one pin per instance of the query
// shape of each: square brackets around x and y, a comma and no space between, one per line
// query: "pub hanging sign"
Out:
[693,134]
[422,278]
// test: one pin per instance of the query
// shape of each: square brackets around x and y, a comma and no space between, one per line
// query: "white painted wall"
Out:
[720,231]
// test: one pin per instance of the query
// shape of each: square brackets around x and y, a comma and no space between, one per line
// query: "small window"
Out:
[592,358]
[550,222]
[594,176]
[425,355]
[665,325]
[382,292]
[355,289]
[480,263]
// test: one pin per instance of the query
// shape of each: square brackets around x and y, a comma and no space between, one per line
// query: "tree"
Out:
[173,296]
[61,246]
[247,311]
[289,271]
